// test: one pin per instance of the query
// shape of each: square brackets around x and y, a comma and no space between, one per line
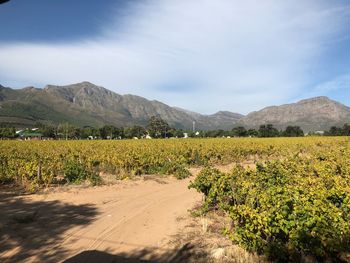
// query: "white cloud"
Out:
[338,83]
[337,88]
[201,55]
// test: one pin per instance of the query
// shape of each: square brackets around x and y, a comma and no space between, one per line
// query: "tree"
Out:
[7,132]
[106,132]
[68,131]
[293,131]
[157,127]
[337,131]
[179,133]
[239,132]
[334,131]
[111,132]
[253,133]
[346,130]
[134,131]
[88,131]
[192,134]
[47,129]
[268,131]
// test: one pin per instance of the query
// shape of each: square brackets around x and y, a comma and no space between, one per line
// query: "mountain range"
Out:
[85,104]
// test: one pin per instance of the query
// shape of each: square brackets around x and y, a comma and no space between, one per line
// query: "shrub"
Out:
[179,171]
[74,171]
[284,209]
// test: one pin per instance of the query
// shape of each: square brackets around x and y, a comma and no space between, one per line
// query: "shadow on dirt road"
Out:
[36,228]
[184,254]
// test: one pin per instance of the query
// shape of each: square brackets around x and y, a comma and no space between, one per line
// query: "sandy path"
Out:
[130,220]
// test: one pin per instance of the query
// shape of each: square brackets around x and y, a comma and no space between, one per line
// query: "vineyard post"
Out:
[39,172]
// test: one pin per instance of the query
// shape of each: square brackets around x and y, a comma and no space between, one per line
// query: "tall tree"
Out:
[68,131]
[334,131]
[239,131]
[134,131]
[157,127]
[293,131]
[7,132]
[268,131]
[253,133]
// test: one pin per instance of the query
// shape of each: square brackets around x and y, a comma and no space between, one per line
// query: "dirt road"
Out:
[126,222]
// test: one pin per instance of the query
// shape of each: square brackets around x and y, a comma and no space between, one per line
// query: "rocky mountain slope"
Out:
[319,113]
[87,104]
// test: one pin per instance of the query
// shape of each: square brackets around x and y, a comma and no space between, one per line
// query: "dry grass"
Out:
[205,234]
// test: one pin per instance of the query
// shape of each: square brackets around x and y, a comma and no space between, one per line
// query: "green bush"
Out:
[74,171]
[95,179]
[179,171]
[5,174]
[284,209]
[207,183]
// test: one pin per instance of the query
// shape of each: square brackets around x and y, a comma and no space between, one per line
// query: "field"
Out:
[285,198]
[41,163]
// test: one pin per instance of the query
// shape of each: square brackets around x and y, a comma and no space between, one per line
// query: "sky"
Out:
[201,55]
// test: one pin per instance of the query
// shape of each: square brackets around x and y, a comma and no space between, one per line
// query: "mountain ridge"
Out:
[317,113]
[87,104]
[96,106]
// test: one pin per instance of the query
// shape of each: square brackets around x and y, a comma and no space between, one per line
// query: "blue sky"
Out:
[201,55]
[57,20]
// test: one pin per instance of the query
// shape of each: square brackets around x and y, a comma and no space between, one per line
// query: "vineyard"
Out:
[295,201]
[290,207]
[41,163]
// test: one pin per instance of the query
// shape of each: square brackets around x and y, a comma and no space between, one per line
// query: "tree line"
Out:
[155,128]
[159,128]
[339,131]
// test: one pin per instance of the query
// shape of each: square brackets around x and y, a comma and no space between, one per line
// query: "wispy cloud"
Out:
[339,83]
[201,55]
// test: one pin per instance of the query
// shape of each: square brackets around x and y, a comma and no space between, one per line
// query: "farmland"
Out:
[41,163]
[293,201]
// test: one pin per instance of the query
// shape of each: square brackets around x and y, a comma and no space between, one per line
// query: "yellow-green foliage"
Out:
[46,162]
[296,201]
[295,205]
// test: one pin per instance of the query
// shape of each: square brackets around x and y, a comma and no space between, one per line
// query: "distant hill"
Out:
[86,104]
[313,114]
